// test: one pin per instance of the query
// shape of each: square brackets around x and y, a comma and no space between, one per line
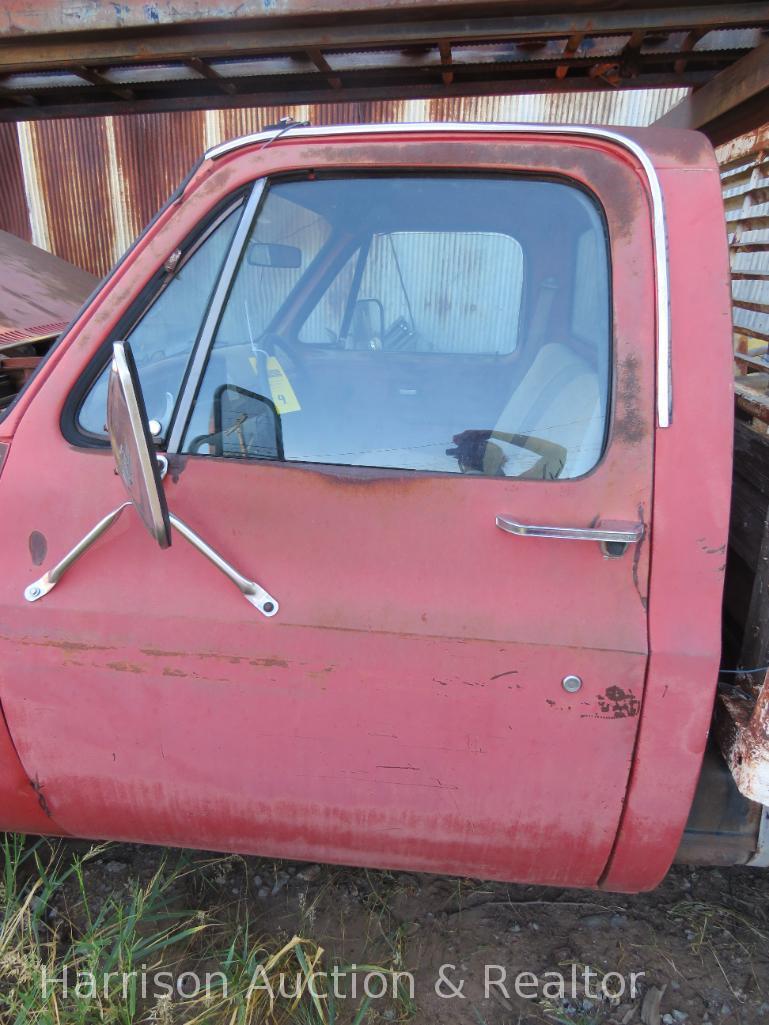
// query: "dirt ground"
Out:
[701,939]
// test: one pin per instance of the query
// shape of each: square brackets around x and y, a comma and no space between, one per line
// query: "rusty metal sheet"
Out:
[743,148]
[84,188]
[151,154]
[73,177]
[39,293]
[14,216]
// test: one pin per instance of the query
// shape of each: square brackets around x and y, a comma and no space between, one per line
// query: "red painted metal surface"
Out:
[692,485]
[405,707]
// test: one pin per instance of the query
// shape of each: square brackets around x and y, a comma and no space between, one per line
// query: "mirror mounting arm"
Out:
[49,580]
[251,591]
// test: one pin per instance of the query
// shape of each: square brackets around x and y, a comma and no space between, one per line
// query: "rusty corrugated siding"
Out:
[84,188]
[153,153]
[14,216]
[39,293]
[71,161]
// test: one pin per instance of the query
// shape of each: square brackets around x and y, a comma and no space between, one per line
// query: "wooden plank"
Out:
[749,144]
[746,531]
[753,401]
[743,81]
[751,458]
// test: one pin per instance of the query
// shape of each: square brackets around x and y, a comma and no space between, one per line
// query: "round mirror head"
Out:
[132,448]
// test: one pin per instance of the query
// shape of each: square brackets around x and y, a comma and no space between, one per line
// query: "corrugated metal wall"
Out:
[84,188]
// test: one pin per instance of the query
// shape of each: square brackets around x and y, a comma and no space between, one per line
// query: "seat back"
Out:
[558,400]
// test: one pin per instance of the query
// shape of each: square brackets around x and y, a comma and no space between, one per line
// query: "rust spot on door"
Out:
[617,703]
[38,547]
[630,426]
[37,786]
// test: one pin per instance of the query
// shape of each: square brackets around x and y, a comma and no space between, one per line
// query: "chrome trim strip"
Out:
[205,339]
[661,267]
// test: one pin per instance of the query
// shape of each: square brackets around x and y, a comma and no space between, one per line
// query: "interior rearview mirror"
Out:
[272,254]
[132,447]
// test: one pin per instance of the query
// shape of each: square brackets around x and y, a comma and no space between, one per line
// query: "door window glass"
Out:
[163,338]
[451,324]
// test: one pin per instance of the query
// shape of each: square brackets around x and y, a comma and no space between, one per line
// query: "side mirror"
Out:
[132,447]
[246,425]
[272,254]
[139,469]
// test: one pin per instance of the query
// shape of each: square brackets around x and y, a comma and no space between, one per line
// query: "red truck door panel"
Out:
[411,702]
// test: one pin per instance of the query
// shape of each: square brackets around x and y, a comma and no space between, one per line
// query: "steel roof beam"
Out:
[206,71]
[95,78]
[323,66]
[87,105]
[167,43]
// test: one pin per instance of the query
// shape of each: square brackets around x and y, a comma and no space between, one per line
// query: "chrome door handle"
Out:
[612,535]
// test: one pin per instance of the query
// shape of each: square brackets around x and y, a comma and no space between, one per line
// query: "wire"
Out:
[744,672]
[285,124]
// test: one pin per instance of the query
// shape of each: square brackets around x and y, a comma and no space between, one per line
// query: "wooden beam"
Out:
[721,99]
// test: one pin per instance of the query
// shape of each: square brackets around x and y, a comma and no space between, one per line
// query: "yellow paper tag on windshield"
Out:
[282,393]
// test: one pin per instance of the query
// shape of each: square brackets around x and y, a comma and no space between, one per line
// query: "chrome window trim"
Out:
[659,229]
[135,323]
[205,338]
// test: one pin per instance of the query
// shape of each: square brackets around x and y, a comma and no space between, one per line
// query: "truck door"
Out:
[415,402]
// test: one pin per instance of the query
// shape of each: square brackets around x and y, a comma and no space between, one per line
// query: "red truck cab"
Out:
[455,396]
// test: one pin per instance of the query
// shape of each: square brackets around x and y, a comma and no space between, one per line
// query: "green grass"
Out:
[62,909]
